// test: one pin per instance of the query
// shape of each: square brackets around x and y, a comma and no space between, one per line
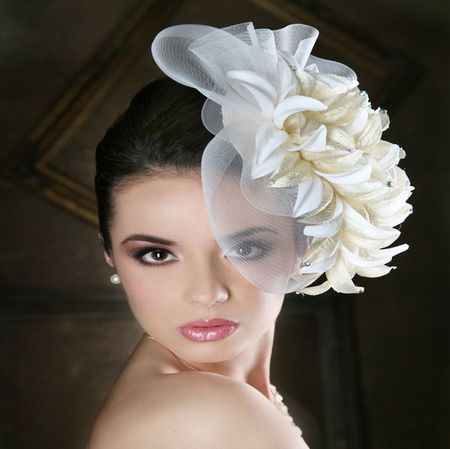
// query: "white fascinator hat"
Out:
[297,180]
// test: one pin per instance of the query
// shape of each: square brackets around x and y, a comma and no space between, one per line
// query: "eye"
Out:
[152,256]
[251,249]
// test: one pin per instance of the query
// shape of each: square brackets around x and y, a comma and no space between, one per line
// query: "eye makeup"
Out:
[139,254]
[262,249]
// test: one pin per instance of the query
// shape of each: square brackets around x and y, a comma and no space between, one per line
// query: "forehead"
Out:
[177,204]
[152,201]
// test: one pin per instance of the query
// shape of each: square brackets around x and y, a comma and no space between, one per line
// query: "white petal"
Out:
[267,140]
[264,102]
[309,195]
[251,78]
[325,229]
[263,92]
[363,227]
[294,104]
[268,166]
[286,84]
[311,68]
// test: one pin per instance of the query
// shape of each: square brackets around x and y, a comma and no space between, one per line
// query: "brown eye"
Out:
[153,256]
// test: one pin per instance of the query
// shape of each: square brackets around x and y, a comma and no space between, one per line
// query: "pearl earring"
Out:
[114,279]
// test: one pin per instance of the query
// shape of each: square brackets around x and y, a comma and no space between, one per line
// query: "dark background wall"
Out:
[68,68]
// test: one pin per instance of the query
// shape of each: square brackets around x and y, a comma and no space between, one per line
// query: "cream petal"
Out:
[363,189]
[353,240]
[337,83]
[384,119]
[339,208]
[340,137]
[373,272]
[395,219]
[371,261]
[297,175]
[390,159]
[317,141]
[357,124]
[317,289]
[389,206]
[371,134]
[391,252]
[360,174]
[340,278]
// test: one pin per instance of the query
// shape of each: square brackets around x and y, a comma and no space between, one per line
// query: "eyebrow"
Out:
[248,232]
[153,239]
[148,238]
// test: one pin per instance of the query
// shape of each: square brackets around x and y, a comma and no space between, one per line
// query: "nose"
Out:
[206,283]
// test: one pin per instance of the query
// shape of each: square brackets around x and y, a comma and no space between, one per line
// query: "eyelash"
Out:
[139,254]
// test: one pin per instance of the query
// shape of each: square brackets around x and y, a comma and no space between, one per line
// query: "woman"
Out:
[208,234]
[148,184]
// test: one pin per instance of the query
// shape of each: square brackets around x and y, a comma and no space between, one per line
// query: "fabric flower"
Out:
[305,131]
[319,132]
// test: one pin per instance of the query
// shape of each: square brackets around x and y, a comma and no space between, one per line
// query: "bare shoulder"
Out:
[198,410]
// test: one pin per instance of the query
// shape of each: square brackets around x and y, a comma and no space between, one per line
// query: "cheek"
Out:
[148,294]
[265,307]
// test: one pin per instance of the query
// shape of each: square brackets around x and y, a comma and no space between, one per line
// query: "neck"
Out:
[251,366]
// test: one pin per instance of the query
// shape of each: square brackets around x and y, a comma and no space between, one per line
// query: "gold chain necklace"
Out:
[277,399]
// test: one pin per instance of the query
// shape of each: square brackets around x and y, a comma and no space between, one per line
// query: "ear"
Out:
[107,256]
[108,259]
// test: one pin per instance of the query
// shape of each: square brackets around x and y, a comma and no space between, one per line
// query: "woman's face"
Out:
[170,284]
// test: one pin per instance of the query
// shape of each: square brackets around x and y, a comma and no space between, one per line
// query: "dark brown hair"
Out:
[160,131]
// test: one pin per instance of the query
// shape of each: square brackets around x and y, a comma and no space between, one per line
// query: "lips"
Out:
[210,323]
[208,330]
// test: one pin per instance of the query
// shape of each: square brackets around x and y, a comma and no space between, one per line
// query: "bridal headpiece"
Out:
[297,171]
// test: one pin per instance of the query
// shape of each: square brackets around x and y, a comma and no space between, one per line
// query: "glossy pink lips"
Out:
[208,330]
